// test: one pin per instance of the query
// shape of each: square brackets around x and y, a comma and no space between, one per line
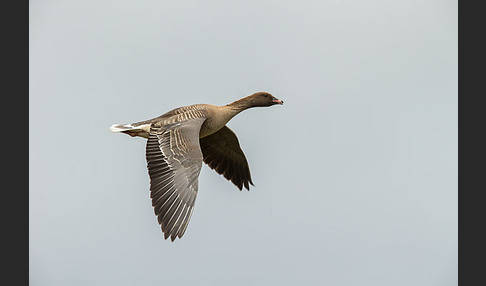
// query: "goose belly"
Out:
[209,127]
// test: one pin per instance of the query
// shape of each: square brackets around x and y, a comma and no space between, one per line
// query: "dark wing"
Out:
[174,162]
[222,152]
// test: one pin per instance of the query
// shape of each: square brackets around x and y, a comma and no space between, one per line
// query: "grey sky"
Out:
[355,175]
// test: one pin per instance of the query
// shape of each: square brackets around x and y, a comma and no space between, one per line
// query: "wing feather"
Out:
[222,153]
[174,160]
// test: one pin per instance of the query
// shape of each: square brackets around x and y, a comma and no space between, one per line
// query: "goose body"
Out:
[178,142]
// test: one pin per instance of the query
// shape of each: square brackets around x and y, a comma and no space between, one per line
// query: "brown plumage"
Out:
[178,142]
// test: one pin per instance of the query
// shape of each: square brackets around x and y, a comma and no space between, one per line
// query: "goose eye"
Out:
[265,95]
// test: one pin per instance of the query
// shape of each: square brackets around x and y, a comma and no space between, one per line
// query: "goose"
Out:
[178,142]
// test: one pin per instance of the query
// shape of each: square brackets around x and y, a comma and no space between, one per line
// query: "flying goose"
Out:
[178,142]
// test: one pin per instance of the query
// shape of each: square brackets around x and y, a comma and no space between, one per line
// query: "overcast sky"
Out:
[355,175]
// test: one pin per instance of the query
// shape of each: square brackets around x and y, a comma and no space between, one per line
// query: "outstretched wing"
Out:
[174,162]
[222,152]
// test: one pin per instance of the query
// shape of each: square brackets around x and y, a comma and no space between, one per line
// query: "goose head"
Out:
[262,99]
